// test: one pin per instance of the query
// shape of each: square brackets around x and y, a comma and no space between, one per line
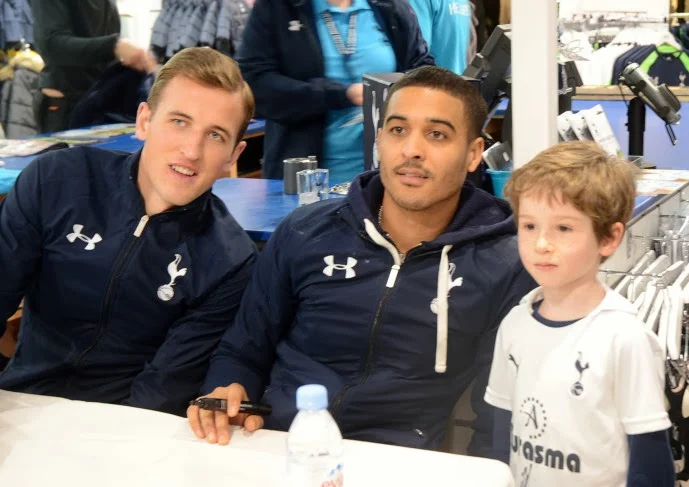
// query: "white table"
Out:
[57,442]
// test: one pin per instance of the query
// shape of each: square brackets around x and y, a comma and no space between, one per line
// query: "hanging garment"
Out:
[210,24]
[667,64]
[16,104]
[193,26]
[16,22]
[636,52]
[161,28]
[20,85]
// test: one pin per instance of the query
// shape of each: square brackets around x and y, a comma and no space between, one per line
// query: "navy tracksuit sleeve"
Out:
[650,460]
[279,97]
[21,240]
[501,435]
[508,292]
[247,350]
[176,373]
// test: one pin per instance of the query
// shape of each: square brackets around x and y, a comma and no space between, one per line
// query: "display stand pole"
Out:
[636,125]
[534,78]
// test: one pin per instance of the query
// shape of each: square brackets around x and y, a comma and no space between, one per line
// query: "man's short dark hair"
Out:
[475,108]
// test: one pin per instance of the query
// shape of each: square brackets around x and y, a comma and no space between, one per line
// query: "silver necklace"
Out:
[380,224]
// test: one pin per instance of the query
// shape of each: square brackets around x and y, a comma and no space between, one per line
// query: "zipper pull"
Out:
[393,276]
[140,227]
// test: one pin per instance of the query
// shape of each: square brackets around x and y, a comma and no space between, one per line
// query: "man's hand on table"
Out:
[214,426]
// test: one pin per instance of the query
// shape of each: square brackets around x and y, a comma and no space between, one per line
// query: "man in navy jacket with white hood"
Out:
[130,267]
[390,297]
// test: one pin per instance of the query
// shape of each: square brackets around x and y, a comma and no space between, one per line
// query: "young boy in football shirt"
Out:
[577,375]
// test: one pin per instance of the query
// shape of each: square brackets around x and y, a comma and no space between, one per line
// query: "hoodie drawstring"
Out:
[383,242]
[441,326]
[443,290]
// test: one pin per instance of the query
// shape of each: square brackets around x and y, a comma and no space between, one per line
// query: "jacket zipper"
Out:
[115,275]
[392,278]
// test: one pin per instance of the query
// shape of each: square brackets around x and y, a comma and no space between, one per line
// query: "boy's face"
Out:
[557,243]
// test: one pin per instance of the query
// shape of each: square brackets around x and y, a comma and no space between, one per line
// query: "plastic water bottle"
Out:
[314,442]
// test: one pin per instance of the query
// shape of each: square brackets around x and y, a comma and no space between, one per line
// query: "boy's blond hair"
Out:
[584,175]
[209,68]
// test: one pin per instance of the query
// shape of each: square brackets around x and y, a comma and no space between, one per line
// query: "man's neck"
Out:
[408,229]
[153,204]
[343,4]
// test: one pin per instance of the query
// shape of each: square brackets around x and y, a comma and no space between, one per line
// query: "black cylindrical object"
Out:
[291,167]
[636,125]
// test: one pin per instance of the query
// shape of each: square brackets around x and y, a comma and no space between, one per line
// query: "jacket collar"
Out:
[611,302]
[479,215]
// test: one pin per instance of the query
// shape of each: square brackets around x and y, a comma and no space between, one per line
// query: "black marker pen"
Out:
[248,407]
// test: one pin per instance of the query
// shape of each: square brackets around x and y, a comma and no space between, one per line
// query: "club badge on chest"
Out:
[166,291]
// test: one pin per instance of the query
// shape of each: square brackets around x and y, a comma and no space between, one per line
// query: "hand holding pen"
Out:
[213,423]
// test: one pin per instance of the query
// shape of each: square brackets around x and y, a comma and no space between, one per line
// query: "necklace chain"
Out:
[380,224]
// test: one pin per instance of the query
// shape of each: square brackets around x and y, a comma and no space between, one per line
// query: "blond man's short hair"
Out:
[209,68]
[583,175]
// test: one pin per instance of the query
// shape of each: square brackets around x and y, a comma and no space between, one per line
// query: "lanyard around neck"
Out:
[350,48]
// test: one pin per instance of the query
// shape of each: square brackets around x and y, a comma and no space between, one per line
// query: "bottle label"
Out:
[303,476]
[335,477]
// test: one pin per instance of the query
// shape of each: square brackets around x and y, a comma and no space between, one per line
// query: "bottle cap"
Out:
[312,397]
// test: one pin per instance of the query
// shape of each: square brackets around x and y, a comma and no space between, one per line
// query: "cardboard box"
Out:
[376,87]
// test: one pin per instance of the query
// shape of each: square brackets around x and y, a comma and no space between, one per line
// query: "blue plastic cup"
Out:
[499,179]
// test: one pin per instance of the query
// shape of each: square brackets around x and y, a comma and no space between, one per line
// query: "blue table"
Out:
[258,205]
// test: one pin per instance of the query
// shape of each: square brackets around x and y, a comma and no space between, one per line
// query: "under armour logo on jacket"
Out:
[451,283]
[295,26]
[90,242]
[332,266]
[165,292]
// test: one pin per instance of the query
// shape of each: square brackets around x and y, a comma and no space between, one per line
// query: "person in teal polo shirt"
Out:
[446,26]
[304,61]
[353,44]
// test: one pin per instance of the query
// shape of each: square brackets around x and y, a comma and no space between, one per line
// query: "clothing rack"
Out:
[659,292]
[644,229]
[188,23]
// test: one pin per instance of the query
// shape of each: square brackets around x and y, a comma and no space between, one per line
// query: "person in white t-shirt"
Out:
[577,375]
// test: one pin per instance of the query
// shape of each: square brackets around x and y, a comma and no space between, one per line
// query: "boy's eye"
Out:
[528,226]
[564,228]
